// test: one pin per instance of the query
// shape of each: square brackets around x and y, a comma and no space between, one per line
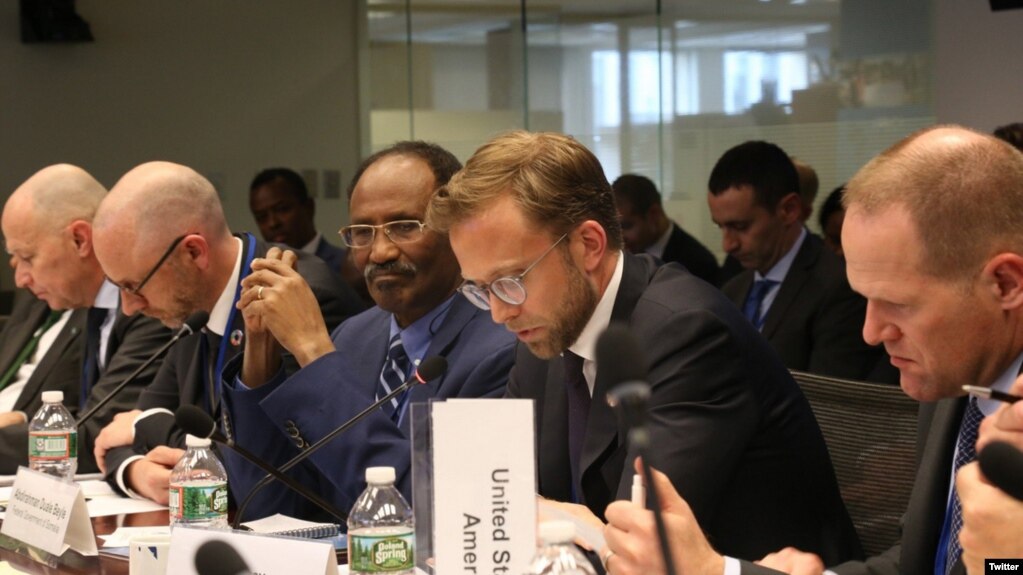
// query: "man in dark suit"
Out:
[647,229]
[933,238]
[533,223]
[793,289]
[161,236]
[285,213]
[413,276]
[47,225]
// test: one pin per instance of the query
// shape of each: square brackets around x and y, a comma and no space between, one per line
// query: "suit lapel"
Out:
[460,313]
[21,333]
[68,336]
[798,274]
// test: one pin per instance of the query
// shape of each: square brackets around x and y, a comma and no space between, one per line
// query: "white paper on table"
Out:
[123,536]
[102,506]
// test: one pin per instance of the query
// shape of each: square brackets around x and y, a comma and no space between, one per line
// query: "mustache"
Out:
[393,267]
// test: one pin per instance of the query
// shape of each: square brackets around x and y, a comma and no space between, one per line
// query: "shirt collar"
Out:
[222,310]
[781,269]
[656,249]
[313,244]
[585,345]
[1004,384]
[108,296]
[417,336]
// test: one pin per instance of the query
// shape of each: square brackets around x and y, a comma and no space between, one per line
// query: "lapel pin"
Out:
[236,337]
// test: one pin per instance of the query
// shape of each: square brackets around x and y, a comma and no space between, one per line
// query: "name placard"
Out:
[266,555]
[49,513]
[485,485]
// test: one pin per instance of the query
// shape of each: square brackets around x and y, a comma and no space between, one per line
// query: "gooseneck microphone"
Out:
[431,368]
[621,362]
[1002,464]
[197,422]
[217,557]
[192,324]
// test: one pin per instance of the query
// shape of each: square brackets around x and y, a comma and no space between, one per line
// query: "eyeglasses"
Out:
[508,289]
[399,232]
[170,249]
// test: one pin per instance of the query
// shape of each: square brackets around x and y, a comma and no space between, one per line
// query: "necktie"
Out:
[93,335]
[578,394]
[30,346]
[966,452]
[392,376]
[755,299]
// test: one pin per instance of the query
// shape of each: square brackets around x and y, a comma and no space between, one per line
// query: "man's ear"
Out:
[81,235]
[593,239]
[790,208]
[198,250]
[1005,274]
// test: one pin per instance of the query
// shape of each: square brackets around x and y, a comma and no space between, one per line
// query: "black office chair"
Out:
[870,430]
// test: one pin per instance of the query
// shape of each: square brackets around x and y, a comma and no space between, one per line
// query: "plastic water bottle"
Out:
[558,555]
[198,488]
[53,438]
[381,530]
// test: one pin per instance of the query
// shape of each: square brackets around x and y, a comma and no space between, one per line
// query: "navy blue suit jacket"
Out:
[329,391]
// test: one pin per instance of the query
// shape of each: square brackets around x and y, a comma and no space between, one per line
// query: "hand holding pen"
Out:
[1006,424]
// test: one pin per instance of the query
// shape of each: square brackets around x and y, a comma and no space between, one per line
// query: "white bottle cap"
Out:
[557,531]
[53,396]
[193,441]
[379,475]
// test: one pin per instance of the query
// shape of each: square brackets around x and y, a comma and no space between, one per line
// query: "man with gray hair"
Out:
[72,338]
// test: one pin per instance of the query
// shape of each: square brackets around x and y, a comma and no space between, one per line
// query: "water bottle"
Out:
[558,555]
[53,438]
[198,488]
[381,531]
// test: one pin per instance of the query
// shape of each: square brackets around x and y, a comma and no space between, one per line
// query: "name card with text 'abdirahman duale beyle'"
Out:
[265,555]
[48,513]
[484,486]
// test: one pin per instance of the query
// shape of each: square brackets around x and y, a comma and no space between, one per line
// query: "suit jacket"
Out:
[182,378]
[936,440]
[281,418]
[816,321]
[688,251]
[333,255]
[727,423]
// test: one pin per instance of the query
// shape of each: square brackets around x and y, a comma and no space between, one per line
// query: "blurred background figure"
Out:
[831,216]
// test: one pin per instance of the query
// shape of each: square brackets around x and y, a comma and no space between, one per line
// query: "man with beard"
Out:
[533,223]
[412,275]
[161,237]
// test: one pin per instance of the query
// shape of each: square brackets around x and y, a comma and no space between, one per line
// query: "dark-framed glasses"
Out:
[398,231]
[170,249]
[508,289]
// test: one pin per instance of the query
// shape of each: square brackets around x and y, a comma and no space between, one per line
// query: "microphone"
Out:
[197,422]
[218,557]
[192,324]
[1002,464]
[621,362]
[431,368]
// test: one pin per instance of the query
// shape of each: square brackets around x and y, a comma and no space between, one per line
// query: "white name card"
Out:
[49,513]
[484,485]
[266,555]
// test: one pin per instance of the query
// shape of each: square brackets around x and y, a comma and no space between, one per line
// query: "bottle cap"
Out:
[379,475]
[53,396]
[193,441]
[557,531]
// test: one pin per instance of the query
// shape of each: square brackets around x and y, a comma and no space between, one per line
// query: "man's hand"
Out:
[992,520]
[794,562]
[631,534]
[120,431]
[284,303]
[581,513]
[11,418]
[1006,424]
[150,477]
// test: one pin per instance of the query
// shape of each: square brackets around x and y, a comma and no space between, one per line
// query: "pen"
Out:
[986,393]
[638,491]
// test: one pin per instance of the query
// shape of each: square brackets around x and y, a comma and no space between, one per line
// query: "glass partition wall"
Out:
[660,88]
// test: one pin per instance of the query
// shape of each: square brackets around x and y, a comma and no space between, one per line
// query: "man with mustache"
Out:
[412,275]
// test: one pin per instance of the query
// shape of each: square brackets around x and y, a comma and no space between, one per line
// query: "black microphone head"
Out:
[431,368]
[1002,464]
[195,421]
[196,321]
[218,557]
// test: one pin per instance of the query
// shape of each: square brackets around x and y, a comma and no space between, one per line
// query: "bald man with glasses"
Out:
[413,278]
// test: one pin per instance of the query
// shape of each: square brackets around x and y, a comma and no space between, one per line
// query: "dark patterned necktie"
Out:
[966,452]
[579,399]
[392,376]
[755,300]
[93,337]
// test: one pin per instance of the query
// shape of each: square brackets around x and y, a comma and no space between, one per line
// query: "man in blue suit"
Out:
[412,275]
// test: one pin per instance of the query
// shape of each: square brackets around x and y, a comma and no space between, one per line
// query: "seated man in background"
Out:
[534,226]
[161,236]
[647,229]
[933,238]
[793,289]
[73,338]
[285,214]
[413,276]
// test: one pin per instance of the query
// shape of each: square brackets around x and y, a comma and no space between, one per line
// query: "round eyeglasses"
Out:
[508,289]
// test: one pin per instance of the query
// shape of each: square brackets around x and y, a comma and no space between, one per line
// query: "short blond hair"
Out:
[963,191]
[556,181]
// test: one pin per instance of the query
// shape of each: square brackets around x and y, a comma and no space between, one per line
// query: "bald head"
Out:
[56,196]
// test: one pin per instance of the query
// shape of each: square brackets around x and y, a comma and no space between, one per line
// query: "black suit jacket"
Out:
[688,251]
[728,424]
[816,321]
[181,379]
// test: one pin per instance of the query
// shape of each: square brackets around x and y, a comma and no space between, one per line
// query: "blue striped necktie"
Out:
[392,376]
[966,452]
[755,300]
